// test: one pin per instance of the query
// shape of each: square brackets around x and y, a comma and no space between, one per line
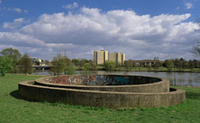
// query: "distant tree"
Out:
[59,64]
[71,70]
[6,65]
[196,49]
[67,60]
[25,64]
[191,64]
[149,67]
[156,66]
[11,53]
[86,68]
[110,66]
[14,54]
[169,64]
[82,62]
[47,62]
[93,66]
[68,63]
[128,66]
[196,63]
[182,64]
[133,64]
[75,62]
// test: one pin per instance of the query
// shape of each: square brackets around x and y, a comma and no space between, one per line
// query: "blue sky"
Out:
[142,29]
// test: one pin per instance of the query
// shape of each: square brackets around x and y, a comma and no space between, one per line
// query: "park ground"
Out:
[14,109]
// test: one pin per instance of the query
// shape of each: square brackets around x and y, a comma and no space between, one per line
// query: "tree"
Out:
[169,64]
[11,53]
[128,66]
[156,66]
[82,62]
[196,63]
[86,68]
[5,65]
[68,63]
[70,70]
[75,62]
[93,66]
[25,64]
[47,62]
[110,66]
[191,64]
[196,49]
[59,64]
[14,54]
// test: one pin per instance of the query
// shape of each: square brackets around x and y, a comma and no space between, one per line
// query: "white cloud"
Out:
[139,36]
[26,11]
[15,24]
[10,38]
[70,6]
[177,8]
[188,5]
[18,10]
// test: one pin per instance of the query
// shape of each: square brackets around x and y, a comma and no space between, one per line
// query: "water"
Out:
[176,78]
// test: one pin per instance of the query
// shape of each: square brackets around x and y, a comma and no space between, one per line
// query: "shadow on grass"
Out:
[192,95]
[16,95]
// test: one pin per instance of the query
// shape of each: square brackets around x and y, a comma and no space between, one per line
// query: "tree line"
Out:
[12,61]
[170,64]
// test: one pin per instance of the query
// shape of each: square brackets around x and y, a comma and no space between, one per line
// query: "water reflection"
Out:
[176,78]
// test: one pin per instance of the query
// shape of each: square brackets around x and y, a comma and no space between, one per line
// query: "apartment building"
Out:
[100,57]
[118,58]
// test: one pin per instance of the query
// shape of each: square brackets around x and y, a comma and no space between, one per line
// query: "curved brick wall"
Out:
[160,85]
[100,98]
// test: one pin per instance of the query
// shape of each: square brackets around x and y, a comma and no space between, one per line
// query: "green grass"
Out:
[14,109]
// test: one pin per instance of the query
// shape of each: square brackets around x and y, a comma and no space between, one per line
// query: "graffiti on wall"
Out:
[102,80]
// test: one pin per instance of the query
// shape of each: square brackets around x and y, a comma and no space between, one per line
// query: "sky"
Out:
[142,29]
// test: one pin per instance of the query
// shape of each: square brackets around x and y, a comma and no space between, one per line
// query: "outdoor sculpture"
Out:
[111,91]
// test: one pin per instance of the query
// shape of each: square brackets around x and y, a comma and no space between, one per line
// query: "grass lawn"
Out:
[13,109]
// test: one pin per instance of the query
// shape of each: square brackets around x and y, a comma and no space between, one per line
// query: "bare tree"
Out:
[196,49]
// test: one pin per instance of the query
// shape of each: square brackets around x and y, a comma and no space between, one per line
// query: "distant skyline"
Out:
[142,29]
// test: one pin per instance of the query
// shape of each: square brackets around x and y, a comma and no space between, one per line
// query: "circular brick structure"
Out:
[111,91]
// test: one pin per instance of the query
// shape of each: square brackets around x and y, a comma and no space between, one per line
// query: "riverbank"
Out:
[14,109]
[149,69]
[162,69]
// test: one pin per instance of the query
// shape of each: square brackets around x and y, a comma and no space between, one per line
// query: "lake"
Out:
[176,78]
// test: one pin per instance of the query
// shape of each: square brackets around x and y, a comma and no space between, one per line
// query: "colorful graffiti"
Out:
[101,80]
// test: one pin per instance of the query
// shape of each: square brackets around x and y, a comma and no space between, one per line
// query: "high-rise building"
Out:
[123,58]
[118,58]
[100,57]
